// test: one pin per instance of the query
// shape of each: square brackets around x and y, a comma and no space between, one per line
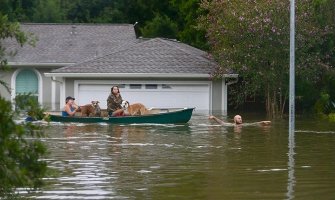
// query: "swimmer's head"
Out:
[238,119]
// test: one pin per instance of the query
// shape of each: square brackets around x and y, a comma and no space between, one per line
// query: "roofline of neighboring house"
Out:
[17,64]
[137,75]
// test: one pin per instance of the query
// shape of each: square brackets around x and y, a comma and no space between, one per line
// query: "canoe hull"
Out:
[166,117]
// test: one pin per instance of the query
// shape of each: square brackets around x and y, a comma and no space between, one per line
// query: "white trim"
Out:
[224,100]
[40,84]
[131,75]
[53,95]
[62,94]
[39,64]
[210,95]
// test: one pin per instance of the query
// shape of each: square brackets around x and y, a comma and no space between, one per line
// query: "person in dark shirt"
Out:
[114,101]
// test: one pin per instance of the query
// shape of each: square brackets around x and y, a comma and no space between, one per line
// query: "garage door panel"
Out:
[173,97]
[169,99]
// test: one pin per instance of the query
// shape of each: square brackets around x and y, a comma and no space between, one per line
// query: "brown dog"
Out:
[134,109]
[90,110]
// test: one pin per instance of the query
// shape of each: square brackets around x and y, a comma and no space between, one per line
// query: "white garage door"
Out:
[151,95]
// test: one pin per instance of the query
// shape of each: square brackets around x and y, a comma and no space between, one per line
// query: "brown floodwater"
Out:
[198,160]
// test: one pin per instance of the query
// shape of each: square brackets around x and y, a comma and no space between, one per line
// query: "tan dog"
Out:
[134,109]
[90,110]
[104,113]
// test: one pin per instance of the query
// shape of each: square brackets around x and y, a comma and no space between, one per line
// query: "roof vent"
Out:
[73,30]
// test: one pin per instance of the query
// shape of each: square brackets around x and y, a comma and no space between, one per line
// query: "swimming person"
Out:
[237,121]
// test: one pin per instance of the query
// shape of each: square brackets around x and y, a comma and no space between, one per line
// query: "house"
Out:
[85,61]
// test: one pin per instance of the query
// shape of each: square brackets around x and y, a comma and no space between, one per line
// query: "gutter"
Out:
[39,64]
[53,78]
[230,82]
[135,75]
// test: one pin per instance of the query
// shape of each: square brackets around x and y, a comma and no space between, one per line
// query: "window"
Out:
[165,86]
[135,86]
[27,82]
[151,86]
[122,86]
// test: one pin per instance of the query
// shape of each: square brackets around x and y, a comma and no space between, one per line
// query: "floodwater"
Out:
[199,160]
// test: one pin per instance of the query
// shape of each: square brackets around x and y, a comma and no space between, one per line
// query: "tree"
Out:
[252,38]
[18,10]
[160,26]
[187,13]
[48,11]
[20,158]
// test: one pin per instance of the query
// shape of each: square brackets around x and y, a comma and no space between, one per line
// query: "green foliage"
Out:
[178,18]
[160,26]
[331,117]
[306,95]
[252,38]
[48,11]
[20,149]
[187,14]
[28,104]
[321,103]
[19,156]
[325,107]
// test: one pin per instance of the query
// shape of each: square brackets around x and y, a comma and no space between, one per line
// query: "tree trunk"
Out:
[275,103]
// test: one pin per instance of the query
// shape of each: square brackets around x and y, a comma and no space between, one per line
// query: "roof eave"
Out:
[17,64]
[136,75]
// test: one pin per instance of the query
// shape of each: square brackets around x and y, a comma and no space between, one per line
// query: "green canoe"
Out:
[162,116]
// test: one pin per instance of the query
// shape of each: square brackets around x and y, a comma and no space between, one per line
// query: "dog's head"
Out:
[124,105]
[95,103]
[96,107]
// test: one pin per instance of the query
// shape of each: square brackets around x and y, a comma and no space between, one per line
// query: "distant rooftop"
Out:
[71,43]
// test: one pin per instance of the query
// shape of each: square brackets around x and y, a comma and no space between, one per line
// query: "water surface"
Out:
[199,160]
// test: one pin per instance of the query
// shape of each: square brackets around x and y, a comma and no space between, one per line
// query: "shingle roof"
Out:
[149,56]
[71,43]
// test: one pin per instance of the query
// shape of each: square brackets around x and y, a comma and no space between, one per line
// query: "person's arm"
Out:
[68,110]
[264,122]
[75,106]
[216,119]
[261,123]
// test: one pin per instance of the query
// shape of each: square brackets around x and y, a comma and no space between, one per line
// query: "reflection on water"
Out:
[291,163]
[199,160]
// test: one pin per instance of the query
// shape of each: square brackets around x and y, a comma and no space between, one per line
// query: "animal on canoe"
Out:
[90,110]
[134,109]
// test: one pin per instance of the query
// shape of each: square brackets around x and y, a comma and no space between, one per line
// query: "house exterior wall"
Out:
[53,96]
[45,83]
[217,88]
[46,89]
[217,96]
